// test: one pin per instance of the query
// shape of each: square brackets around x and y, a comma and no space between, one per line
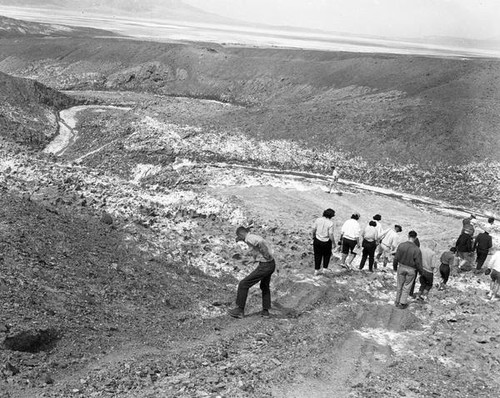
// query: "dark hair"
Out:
[453,249]
[377,217]
[241,229]
[372,223]
[412,234]
[398,228]
[329,213]
[355,216]
[491,220]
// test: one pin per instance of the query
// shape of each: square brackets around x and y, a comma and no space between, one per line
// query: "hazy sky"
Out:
[474,19]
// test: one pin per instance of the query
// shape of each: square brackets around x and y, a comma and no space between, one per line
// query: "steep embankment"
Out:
[29,110]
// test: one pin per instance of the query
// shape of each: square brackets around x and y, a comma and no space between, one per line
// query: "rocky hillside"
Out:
[408,109]
[118,260]
[117,286]
[29,110]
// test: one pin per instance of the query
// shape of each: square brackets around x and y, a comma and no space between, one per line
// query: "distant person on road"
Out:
[323,240]
[334,179]
[262,252]
[493,270]
[465,249]
[389,244]
[482,246]
[429,268]
[369,244]
[407,261]
[351,235]
[448,259]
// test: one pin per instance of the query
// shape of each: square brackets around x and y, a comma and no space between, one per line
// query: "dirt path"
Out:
[67,124]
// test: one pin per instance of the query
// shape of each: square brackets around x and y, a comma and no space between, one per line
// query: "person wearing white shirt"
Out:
[351,234]
[494,271]
[334,178]
[390,243]
[323,240]
[370,238]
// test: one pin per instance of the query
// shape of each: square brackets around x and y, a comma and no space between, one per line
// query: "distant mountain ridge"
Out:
[15,27]
[151,9]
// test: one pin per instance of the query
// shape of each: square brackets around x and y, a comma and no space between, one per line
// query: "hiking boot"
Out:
[402,306]
[236,312]
[317,272]
[265,313]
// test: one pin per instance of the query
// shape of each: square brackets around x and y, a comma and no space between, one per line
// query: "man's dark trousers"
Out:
[263,274]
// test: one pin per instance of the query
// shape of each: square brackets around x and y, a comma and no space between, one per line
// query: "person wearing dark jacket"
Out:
[465,251]
[482,246]
[407,261]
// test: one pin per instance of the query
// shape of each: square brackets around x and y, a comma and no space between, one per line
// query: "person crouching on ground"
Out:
[260,250]
[448,259]
[493,269]
[350,238]
[323,240]
[429,268]
[407,261]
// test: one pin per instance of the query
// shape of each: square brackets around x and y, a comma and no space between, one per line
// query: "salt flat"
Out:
[166,30]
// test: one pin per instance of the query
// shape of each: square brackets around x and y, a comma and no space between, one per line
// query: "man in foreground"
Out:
[407,261]
[261,251]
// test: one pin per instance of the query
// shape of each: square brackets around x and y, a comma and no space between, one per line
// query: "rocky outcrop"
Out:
[29,110]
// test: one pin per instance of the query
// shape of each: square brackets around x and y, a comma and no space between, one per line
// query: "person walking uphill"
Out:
[407,261]
[260,250]
[323,240]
